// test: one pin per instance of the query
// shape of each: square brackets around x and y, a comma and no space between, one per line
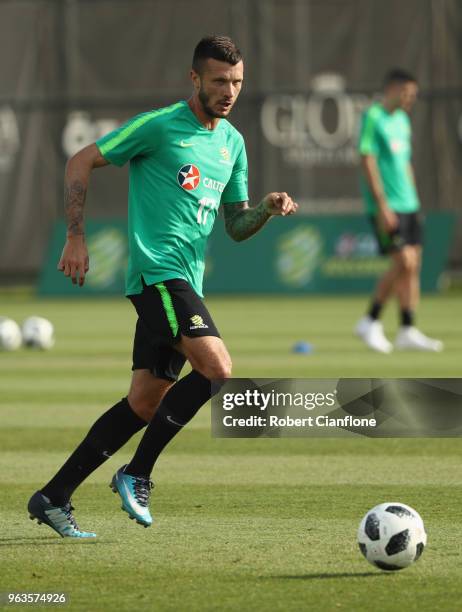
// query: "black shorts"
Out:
[408,232]
[166,311]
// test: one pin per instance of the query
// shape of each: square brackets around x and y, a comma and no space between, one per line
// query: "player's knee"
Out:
[220,369]
[410,265]
[407,262]
[223,371]
[144,401]
[143,407]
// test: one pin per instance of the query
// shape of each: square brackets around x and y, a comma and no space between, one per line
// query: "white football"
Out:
[10,334]
[392,536]
[38,332]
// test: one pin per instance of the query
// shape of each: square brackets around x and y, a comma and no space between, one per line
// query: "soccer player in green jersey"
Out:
[392,204]
[185,160]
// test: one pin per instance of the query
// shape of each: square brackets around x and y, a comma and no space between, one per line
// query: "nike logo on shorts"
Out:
[186,144]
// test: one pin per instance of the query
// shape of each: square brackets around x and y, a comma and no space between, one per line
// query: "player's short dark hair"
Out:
[398,75]
[220,48]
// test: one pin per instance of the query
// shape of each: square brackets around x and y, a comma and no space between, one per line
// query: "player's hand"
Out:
[279,204]
[388,219]
[74,260]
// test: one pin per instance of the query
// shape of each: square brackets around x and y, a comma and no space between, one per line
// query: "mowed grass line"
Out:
[286,469]
[96,336]
[240,524]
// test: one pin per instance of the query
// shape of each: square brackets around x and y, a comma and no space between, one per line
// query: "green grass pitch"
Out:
[247,525]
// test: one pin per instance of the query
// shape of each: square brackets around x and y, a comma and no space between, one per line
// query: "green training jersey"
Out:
[387,136]
[180,172]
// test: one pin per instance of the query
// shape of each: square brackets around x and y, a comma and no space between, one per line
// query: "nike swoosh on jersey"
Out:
[187,144]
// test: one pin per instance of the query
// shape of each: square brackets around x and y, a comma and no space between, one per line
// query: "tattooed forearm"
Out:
[241,222]
[76,181]
[74,200]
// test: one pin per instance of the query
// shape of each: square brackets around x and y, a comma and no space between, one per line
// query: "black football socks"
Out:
[375,310]
[406,314]
[407,317]
[109,433]
[177,408]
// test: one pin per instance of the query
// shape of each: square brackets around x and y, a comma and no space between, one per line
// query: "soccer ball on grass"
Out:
[10,334]
[38,332]
[392,536]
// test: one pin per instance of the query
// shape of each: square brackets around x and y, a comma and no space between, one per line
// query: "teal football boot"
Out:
[59,518]
[134,492]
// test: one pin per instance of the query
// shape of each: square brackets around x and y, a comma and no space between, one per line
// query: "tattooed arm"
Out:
[241,221]
[74,259]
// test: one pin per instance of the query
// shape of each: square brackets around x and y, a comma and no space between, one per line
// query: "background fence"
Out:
[72,70]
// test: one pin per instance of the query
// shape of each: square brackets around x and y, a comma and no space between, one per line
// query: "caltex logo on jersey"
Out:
[189,177]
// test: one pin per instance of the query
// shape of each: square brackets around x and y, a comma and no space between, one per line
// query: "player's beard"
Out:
[205,101]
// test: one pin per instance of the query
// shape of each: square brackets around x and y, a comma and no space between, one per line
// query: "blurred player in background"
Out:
[392,204]
[185,160]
